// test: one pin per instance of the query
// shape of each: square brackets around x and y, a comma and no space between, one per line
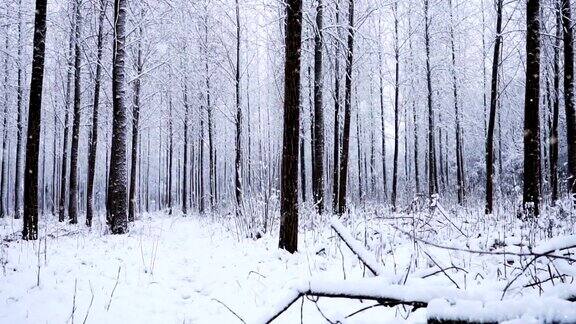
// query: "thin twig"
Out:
[114,289]
[231,311]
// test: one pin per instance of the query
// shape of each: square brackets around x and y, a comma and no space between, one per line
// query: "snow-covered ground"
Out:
[168,269]
[174,269]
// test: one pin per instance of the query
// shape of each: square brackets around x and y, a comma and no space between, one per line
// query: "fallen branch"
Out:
[358,249]
[231,311]
[114,289]
[375,289]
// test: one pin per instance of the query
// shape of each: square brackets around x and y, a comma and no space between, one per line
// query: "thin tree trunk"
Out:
[532,172]
[359,159]
[459,156]
[492,116]
[383,130]
[414,116]
[3,171]
[289,189]
[249,139]
[159,198]
[372,146]
[238,164]
[302,165]
[484,101]
[318,135]
[344,157]
[117,181]
[201,165]
[19,121]
[133,203]
[30,230]
[553,140]
[569,94]
[54,163]
[432,174]
[211,155]
[396,107]
[64,167]
[186,147]
[170,160]
[73,191]
[93,142]
[147,192]
[336,153]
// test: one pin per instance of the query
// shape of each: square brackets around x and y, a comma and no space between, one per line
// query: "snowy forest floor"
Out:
[174,269]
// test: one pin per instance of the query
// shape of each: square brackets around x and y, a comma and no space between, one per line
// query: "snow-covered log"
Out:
[526,309]
[363,254]
[377,289]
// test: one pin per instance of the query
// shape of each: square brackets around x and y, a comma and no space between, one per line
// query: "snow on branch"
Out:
[363,254]
[526,309]
[377,289]
[556,244]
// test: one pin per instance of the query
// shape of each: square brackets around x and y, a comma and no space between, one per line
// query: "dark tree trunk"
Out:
[147,179]
[64,163]
[432,174]
[202,208]
[19,121]
[347,111]
[336,153]
[117,181]
[312,140]
[289,187]
[170,160]
[460,182]
[186,148]
[383,130]
[441,181]
[569,93]
[93,142]
[3,171]
[492,116]
[531,196]
[248,173]
[359,159]
[159,198]
[396,107]
[238,164]
[211,155]
[484,101]
[73,189]
[302,165]
[30,230]
[318,135]
[134,183]
[414,116]
[372,148]
[553,140]
[43,176]
[54,163]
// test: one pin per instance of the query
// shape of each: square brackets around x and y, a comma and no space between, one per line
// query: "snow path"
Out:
[169,270]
